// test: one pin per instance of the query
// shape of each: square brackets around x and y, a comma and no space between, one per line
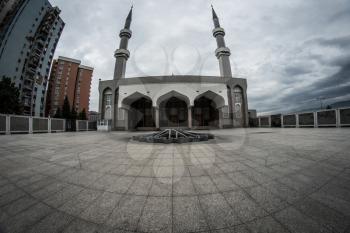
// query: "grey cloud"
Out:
[336,85]
[265,37]
[342,42]
[297,70]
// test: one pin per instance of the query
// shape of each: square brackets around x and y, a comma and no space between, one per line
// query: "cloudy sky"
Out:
[291,52]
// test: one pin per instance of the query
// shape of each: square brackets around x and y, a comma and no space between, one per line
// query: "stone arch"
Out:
[127,101]
[107,95]
[173,110]
[238,106]
[173,94]
[206,110]
[140,113]
[216,98]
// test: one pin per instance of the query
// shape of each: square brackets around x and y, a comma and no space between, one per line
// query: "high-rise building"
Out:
[29,33]
[68,78]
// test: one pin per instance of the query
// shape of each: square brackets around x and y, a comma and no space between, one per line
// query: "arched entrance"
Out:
[106,112]
[173,113]
[205,113]
[206,110]
[238,107]
[140,112]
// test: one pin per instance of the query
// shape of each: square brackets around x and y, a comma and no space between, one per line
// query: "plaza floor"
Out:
[246,180]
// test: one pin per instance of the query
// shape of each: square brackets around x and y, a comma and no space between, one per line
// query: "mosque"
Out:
[175,101]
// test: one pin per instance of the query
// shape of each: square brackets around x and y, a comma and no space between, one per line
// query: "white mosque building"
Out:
[175,101]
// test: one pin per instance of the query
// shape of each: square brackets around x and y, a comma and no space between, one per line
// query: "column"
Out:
[337,115]
[49,125]
[282,123]
[315,120]
[87,125]
[297,121]
[8,124]
[30,122]
[270,121]
[77,125]
[156,110]
[126,119]
[113,107]
[64,125]
[259,120]
[189,117]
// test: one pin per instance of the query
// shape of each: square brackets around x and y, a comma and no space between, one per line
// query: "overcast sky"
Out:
[290,51]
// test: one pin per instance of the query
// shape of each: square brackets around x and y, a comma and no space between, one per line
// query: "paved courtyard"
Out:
[254,180]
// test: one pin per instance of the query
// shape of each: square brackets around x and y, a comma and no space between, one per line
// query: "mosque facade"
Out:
[174,101]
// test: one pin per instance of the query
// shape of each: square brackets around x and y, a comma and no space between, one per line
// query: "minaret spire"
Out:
[122,54]
[128,19]
[222,52]
[215,18]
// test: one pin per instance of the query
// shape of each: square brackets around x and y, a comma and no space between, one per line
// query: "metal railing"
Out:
[322,118]
[12,124]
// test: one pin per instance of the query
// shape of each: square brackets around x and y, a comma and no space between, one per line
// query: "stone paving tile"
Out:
[184,186]
[188,215]
[54,222]
[204,185]
[25,219]
[323,214]
[242,180]
[266,225]
[297,222]
[127,214]
[80,202]
[140,186]
[286,193]
[19,205]
[49,190]
[219,213]
[11,196]
[99,211]
[161,187]
[63,196]
[266,199]
[284,180]
[235,229]
[79,225]
[332,202]
[156,215]
[245,208]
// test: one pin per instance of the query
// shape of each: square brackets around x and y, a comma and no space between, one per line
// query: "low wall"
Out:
[322,118]
[12,124]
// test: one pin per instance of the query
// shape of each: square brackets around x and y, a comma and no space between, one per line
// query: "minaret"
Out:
[222,52]
[122,54]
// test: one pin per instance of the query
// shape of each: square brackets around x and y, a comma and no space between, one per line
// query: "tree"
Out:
[82,115]
[66,114]
[73,114]
[9,97]
[58,113]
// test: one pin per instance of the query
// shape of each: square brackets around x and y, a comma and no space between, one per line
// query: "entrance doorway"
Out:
[173,113]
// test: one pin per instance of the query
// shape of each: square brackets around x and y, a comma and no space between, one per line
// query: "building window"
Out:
[108,99]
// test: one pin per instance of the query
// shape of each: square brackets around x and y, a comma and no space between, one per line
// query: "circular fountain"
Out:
[173,136]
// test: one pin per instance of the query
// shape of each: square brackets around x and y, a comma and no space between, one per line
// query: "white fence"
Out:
[11,124]
[323,118]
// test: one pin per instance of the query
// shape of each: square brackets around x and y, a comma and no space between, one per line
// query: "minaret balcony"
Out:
[223,51]
[122,53]
[218,31]
[125,33]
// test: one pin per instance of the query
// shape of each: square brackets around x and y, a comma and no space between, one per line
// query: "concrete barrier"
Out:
[12,124]
[322,118]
